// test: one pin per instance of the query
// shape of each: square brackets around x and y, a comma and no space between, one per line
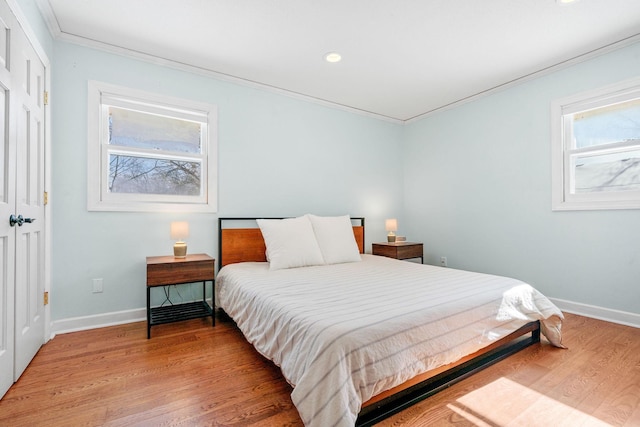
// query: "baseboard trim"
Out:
[74,324]
[601,313]
[102,320]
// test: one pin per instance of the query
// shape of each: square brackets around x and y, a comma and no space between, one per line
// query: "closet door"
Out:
[22,316]
[27,115]
[7,207]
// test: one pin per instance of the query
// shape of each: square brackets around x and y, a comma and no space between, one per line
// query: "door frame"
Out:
[37,46]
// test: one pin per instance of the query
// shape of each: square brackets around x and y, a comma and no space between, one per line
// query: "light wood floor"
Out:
[191,374]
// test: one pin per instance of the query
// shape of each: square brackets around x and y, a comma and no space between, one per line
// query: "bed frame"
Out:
[246,244]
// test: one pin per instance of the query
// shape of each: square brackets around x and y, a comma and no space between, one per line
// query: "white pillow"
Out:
[290,243]
[335,238]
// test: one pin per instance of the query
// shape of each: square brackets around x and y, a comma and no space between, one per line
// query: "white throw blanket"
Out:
[343,333]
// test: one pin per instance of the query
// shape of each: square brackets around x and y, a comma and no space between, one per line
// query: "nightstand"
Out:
[169,270]
[399,250]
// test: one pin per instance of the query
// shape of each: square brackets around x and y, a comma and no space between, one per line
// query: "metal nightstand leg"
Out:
[148,312]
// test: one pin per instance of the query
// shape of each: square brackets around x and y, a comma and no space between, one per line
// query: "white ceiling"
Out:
[401,58]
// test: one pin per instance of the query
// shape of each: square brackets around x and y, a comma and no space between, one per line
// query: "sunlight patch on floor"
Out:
[507,403]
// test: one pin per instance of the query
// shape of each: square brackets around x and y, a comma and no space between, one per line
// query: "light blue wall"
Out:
[473,183]
[477,189]
[278,156]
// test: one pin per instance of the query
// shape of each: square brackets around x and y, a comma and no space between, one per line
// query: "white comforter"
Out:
[343,333]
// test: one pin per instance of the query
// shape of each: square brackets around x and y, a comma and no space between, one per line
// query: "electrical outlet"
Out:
[443,261]
[97,286]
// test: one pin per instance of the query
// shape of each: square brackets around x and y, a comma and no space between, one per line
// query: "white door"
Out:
[27,75]
[22,169]
[7,207]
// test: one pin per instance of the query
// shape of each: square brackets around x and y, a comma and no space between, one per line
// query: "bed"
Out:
[360,337]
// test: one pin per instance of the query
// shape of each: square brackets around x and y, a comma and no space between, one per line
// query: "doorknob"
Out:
[13,220]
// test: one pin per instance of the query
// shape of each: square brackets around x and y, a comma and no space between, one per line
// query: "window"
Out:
[149,152]
[596,149]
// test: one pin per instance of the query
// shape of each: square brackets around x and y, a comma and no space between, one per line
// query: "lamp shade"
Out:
[179,230]
[391,225]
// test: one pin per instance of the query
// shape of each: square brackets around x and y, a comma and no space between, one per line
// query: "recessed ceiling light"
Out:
[566,1]
[333,57]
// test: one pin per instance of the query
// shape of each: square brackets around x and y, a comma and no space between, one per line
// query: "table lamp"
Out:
[391,225]
[179,232]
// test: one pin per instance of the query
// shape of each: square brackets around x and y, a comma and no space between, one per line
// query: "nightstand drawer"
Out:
[399,250]
[410,251]
[168,270]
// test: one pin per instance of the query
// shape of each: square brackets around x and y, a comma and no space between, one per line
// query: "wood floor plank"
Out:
[192,374]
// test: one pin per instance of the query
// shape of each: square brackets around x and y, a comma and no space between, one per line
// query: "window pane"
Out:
[609,172]
[131,128]
[614,123]
[142,175]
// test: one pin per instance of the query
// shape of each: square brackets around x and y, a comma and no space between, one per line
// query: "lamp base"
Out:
[180,250]
[391,238]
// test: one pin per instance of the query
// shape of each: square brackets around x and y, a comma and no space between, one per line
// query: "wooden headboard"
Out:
[247,244]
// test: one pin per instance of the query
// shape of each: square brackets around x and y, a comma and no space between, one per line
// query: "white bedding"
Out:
[343,333]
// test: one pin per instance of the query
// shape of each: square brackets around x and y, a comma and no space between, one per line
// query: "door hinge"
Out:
[46,98]
[45,199]
[46,298]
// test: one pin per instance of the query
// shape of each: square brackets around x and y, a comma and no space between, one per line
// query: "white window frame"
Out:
[562,149]
[98,196]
